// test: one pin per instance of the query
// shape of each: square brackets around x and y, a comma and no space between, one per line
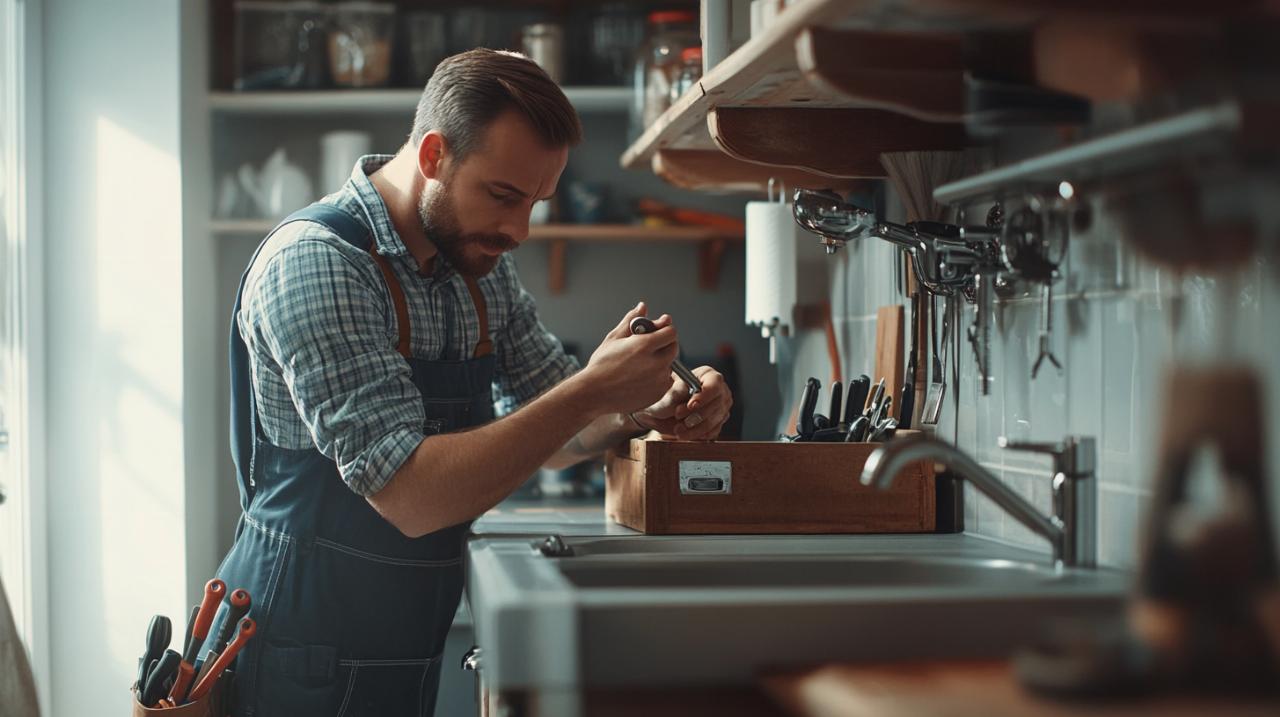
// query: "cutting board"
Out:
[891,331]
[964,689]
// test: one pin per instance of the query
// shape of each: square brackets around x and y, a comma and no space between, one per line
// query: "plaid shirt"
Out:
[321,332]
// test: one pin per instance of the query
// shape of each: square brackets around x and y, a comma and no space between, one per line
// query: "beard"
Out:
[473,255]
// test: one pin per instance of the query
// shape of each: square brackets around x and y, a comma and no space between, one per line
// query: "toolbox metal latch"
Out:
[706,478]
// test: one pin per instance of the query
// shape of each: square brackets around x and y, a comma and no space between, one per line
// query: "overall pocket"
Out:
[389,688]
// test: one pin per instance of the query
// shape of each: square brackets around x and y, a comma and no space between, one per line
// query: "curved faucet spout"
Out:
[887,461]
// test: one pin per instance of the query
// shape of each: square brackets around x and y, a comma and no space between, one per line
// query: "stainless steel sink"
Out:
[809,571]
[622,611]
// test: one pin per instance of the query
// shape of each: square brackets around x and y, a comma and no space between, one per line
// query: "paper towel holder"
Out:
[775,327]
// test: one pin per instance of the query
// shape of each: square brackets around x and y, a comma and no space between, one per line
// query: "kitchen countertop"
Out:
[579,517]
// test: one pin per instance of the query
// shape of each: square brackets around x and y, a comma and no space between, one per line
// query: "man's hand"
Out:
[696,418]
[628,373]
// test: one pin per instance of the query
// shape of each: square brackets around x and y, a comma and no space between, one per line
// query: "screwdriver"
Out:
[213,592]
[642,325]
[247,628]
[238,602]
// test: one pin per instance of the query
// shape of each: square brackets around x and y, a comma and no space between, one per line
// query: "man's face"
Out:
[475,211]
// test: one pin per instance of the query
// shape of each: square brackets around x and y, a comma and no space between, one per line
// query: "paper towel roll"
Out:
[772,236]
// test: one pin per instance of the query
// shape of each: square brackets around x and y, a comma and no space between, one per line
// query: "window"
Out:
[22,514]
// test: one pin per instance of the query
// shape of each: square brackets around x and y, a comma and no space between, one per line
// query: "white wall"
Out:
[118,534]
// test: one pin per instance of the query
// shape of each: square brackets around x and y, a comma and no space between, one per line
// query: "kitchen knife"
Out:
[837,392]
[642,325]
[808,401]
[857,398]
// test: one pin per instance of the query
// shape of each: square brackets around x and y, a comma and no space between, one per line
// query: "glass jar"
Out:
[616,31]
[670,32]
[360,43]
[689,73]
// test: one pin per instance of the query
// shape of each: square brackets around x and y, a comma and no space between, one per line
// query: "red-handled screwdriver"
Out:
[247,628]
[238,603]
[214,590]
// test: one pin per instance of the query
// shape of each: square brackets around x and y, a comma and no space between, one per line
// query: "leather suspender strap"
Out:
[484,346]
[397,298]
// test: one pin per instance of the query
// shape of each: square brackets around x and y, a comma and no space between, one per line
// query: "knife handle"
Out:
[808,402]
[857,398]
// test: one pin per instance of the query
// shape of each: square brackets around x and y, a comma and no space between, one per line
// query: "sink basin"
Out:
[717,610]
[808,571]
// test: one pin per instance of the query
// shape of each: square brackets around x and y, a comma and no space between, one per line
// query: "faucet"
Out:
[1072,528]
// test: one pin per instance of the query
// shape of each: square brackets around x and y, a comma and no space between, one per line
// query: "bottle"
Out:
[669,33]
[689,73]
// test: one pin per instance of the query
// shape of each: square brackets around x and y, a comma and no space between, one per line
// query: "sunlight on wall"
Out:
[138,372]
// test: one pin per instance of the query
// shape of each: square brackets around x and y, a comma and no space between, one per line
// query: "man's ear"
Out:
[432,151]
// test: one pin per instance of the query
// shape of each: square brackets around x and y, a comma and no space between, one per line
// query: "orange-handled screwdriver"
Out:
[214,590]
[247,628]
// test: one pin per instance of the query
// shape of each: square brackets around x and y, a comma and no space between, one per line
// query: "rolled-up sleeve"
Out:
[322,320]
[530,358]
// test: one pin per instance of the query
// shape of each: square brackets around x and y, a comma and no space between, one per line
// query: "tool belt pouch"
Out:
[217,703]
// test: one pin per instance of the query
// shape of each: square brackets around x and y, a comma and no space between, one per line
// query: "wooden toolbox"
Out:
[672,487]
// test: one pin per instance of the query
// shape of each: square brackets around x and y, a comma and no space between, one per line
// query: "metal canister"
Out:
[543,43]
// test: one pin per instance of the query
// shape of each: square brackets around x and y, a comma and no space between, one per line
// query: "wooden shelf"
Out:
[832,84]
[712,242]
[376,101]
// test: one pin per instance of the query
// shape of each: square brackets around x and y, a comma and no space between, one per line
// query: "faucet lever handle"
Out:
[1073,457]
[1057,450]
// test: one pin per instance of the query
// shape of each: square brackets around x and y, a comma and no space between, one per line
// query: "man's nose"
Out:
[516,227]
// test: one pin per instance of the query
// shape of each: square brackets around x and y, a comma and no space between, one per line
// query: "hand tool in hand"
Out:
[160,679]
[808,401]
[246,631]
[214,590]
[856,399]
[159,632]
[642,325]
[238,602]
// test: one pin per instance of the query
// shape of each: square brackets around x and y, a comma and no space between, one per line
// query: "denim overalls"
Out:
[352,615]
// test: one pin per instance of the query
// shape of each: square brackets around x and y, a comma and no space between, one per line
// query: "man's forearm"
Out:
[455,477]
[605,431]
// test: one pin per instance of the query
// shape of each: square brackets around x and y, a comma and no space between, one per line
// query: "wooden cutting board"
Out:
[964,689]
[891,331]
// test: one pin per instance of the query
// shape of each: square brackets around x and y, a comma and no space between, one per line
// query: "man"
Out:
[370,332]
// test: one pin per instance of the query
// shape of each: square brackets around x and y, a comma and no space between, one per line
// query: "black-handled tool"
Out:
[808,402]
[159,632]
[857,430]
[642,325]
[238,602]
[161,678]
[837,393]
[191,626]
[857,398]
[908,404]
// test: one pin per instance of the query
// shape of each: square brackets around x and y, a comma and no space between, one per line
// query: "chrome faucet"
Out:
[1071,530]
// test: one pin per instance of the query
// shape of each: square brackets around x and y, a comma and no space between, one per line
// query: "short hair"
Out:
[469,90]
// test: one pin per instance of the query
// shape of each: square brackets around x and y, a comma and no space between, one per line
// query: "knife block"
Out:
[682,487]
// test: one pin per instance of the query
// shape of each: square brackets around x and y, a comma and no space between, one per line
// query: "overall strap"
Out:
[484,346]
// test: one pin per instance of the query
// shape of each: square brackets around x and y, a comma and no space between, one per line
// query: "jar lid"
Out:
[672,16]
[689,54]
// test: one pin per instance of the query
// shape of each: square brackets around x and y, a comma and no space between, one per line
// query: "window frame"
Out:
[22,102]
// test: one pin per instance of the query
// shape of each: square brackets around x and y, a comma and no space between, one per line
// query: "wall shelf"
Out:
[712,242]
[380,101]
[831,84]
